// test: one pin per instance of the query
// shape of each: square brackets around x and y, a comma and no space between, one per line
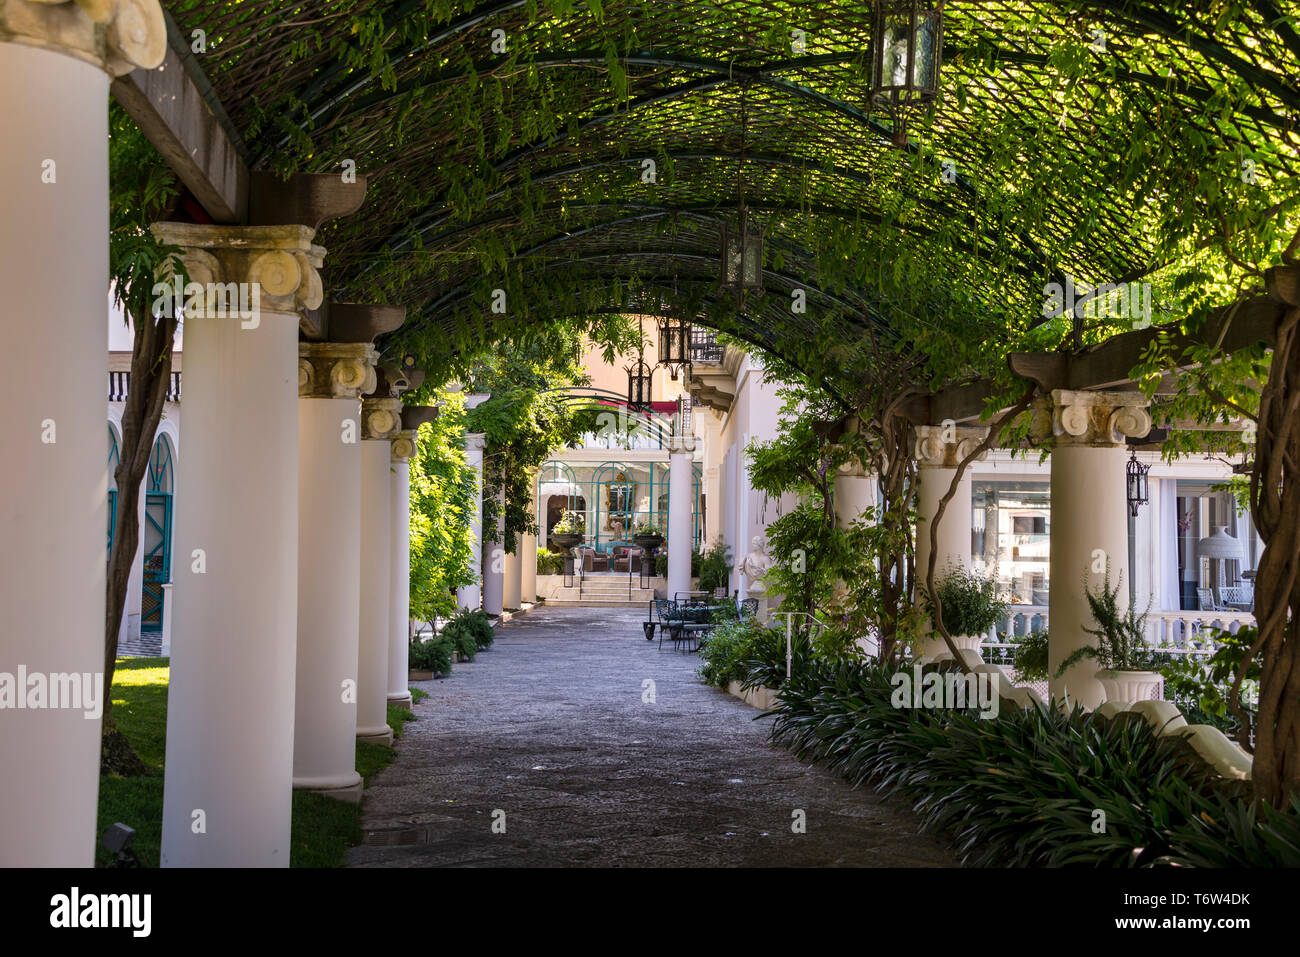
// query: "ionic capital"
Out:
[945,446]
[681,443]
[117,36]
[1090,418]
[380,418]
[336,370]
[404,445]
[475,441]
[281,261]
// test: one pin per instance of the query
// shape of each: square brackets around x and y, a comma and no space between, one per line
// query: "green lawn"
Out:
[323,828]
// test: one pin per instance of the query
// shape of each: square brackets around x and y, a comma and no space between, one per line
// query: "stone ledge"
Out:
[762,698]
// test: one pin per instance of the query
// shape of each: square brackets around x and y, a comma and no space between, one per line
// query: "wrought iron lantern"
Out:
[638,375]
[742,255]
[674,344]
[1136,474]
[638,385]
[905,56]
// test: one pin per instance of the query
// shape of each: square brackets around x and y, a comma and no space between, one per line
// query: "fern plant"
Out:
[1121,635]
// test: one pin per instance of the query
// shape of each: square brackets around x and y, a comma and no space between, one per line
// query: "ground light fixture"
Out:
[1136,487]
[905,55]
[117,839]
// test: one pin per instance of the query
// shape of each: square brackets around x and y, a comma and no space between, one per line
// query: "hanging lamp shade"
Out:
[638,385]
[1136,483]
[742,255]
[905,56]
[1219,544]
[674,344]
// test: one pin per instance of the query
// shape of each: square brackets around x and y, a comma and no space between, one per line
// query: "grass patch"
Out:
[323,828]
[417,695]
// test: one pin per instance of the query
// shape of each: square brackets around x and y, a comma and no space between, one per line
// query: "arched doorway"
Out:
[157,534]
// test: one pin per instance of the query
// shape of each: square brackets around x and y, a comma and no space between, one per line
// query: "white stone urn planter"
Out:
[1131,686]
[968,642]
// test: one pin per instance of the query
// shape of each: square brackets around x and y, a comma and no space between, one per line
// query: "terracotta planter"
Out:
[1129,686]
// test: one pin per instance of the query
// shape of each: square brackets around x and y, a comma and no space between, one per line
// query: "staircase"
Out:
[599,591]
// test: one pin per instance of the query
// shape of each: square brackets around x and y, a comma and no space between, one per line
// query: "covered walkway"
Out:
[551,728]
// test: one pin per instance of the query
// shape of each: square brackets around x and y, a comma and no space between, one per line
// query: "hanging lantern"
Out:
[674,344]
[638,385]
[905,56]
[742,255]
[1136,474]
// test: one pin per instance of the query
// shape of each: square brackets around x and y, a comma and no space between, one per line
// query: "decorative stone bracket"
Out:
[1090,418]
[475,441]
[117,36]
[946,446]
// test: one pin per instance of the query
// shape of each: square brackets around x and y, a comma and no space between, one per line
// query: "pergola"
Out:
[490,166]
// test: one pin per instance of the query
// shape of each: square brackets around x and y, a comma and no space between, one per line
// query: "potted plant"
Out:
[970,606]
[715,567]
[1121,647]
[569,530]
[648,535]
[1030,657]
[429,659]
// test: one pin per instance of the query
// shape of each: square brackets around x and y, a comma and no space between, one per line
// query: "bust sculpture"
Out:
[756,564]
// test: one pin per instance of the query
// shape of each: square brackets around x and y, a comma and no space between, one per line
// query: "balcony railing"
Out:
[119,384]
[704,346]
[1174,631]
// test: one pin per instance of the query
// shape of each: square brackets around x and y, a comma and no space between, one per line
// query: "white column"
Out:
[399,624]
[938,451]
[514,576]
[230,704]
[471,596]
[681,451]
[528,565]
[54,486]
[1089,519]
[380,420]
[494,564]
[855,492]
[331,378]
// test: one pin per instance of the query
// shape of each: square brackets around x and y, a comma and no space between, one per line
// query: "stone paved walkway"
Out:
[550,727]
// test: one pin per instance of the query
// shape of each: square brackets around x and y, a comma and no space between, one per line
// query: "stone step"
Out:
[586,602]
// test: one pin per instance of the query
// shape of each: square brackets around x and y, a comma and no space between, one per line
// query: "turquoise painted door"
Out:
[157,536]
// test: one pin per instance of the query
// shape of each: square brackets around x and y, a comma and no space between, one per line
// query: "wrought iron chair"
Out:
[670,620]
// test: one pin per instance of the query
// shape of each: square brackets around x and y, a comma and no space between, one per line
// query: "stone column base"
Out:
[340,792]
[402,701]
[376,736]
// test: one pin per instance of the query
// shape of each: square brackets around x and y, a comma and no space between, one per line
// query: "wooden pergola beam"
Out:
[1107,366]
[177,110]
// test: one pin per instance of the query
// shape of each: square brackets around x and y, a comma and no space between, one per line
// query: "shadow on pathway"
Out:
[550,727]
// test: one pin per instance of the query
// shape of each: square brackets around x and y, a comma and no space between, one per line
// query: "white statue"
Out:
[756,564]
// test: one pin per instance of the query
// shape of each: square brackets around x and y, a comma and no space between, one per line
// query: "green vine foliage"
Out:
[443,489]
[143,191]
[525,420]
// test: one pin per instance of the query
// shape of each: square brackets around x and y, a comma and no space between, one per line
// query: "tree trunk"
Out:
[1275,506]
[151,363]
